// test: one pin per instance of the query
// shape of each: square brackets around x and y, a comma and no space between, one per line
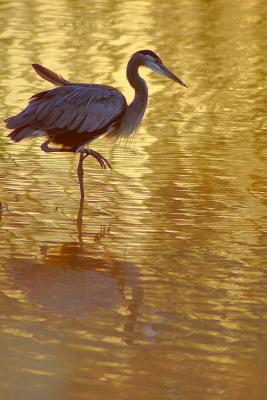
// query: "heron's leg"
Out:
[80,173]
[88,152]
[99,158]
[44,147]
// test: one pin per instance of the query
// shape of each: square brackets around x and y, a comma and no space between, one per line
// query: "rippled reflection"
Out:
[155,286]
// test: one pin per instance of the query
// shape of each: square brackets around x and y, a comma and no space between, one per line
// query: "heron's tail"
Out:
[25,132]
[50,76]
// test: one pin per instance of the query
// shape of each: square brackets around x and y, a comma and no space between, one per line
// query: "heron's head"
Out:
[151,60]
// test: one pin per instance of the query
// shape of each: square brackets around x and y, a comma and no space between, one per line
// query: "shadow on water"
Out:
[72,280]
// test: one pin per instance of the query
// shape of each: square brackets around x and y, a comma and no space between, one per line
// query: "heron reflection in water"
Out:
[72,115]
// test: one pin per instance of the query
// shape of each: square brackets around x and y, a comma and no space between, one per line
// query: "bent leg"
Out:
[86,152]
[44,147]
[99,158]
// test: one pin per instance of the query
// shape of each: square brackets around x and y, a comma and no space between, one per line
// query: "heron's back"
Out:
[71,115]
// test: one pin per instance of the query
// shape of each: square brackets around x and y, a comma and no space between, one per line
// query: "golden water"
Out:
[160,292]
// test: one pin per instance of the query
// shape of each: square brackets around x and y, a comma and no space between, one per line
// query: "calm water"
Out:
[160,290]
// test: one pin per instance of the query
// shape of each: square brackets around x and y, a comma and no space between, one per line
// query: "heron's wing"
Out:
[74,107]
[49,75]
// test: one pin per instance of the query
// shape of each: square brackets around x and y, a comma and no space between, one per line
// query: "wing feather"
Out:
[76,122]
[49,75]
[74,107]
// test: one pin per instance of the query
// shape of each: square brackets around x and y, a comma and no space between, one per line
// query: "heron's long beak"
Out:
[162,70]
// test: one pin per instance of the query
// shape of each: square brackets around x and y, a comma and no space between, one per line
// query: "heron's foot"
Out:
[99,158]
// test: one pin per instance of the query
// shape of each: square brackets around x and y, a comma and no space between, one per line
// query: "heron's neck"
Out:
[134,113]
[139,85]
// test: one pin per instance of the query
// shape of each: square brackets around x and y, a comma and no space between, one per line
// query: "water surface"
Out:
[159,292]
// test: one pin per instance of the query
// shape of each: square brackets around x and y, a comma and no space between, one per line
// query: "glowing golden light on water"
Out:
[159,290]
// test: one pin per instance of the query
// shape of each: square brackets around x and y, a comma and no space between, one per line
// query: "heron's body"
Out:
[73,114]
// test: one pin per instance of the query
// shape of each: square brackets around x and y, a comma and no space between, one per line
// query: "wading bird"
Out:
[73,114]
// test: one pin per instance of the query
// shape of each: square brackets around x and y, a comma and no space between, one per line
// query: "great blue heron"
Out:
[73,114]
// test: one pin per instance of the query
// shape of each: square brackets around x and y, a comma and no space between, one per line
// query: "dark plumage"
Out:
[150,53]
[71,115]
